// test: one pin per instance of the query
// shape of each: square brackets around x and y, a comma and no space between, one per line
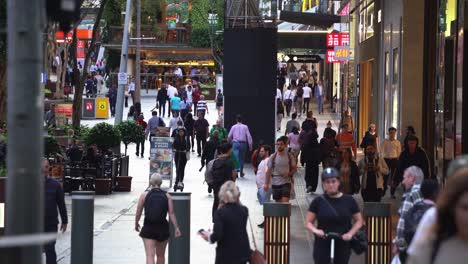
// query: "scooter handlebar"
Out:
[333,235]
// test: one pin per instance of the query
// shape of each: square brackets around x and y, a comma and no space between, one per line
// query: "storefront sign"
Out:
[337,39]
[80,49]
[102,107]
[341,53]
[161,157]
[331,57]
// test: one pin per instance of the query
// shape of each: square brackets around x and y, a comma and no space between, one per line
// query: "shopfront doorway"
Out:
[365,103]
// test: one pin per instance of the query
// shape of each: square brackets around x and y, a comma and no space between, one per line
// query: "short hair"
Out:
[417,173]
[180,123]
[266,148]
[294,116]
[429,189]
[283,139]
[310,114]
[391,129]
[224,147]
[155,180]
[239,118]
[229,192]
[154,113]
[412,138]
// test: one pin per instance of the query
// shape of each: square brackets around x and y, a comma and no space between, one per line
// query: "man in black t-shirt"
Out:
[201,132]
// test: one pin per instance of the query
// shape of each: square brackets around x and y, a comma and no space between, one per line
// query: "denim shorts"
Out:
[263,197]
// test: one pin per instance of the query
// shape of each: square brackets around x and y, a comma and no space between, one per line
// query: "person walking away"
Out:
[328,149]
[298,99]
[89,86]
[334,212]
[279,94]
[279,114]
[153,123]
[184,108]
[288,100]
[311,155]
[202,107]
[348,119]
[280,173]
[54,198]
[174,120]
[155,231]
[196,94]
[181,148]
[391,149]
[222,170]
[131,90]
[412,155]
[175,104]
[319,94]
[294,145]
[412,179]
[219,102]
[189,123]
[141,121]
[371,138]
[346,140]
[447,240]
[201,128]
[221,130]
[240,137]
[112,94]
[171,92]
[372,168]
[310,123]
[162,98]
[209,151]
[291,123]
[131,114]
[349,174]
[230,228]
[49,117]
[263,197]
[306,96]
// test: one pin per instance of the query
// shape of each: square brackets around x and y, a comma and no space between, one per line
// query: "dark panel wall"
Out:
[250,80]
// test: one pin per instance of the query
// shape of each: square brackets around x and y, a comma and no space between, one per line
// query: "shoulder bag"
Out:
[256,257]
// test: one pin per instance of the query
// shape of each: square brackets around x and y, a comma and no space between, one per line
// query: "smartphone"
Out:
[201,231]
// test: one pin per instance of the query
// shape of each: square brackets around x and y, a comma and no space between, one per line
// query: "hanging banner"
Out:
[161,157]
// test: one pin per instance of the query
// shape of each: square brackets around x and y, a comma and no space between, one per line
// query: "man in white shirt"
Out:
[171,91]
[178,71]
[306,97]
[288,100]
[263,197]
[189,90]
[391,149]
[131,90]
[278,94]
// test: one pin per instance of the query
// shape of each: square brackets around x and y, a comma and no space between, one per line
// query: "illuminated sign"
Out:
[337,39]
[341,53]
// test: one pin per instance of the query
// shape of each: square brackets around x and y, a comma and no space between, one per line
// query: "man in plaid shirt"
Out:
[412,179]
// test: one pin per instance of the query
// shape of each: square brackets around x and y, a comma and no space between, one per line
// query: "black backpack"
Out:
[156,206]
[412,219]
[299,92]
[218,171]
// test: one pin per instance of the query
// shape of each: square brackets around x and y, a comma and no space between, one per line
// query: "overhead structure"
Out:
[243,14]
[312,19]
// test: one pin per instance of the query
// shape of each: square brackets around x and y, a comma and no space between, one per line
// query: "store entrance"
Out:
[365,103]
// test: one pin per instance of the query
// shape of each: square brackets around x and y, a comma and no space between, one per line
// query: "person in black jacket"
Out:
[112,94]
[162,98]
[209,151]
[311,155]
[189,123]
[54,198]
[230,228]
[180,147]
[412,155]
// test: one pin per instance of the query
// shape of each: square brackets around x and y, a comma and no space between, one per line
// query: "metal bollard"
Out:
[179,248]
[277,232]
[378,218]
[82,227]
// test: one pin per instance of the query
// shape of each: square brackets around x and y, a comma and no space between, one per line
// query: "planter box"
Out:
[103,186]
[124,183]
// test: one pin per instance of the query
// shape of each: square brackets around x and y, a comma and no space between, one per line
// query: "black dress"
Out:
[338,220]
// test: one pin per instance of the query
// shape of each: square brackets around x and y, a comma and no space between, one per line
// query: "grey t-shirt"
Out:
[281,168]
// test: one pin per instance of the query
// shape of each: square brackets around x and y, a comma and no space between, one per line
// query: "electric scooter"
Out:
[332,236]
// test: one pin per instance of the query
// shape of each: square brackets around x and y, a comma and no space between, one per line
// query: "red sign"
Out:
[345,10]
[331,58]
[80,49]
[89,106]
[337,39]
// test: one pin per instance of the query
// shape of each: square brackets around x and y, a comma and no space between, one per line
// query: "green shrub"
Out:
[103,135]
[130,132]
[51,146]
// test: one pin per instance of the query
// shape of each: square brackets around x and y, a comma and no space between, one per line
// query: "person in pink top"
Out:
[240,137]
[294,146]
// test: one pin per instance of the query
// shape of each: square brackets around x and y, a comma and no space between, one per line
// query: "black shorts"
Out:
[158,232]
[280,191]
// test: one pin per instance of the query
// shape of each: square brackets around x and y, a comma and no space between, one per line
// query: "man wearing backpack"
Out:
[209,151]
[280,173]
[219,171]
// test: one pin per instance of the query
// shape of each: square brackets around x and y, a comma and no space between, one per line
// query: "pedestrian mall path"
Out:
[115,240]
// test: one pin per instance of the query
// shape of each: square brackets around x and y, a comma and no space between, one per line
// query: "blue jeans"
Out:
[263,197]
[239,149]
[320,103]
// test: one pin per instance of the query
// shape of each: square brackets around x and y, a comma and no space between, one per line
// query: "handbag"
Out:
[359,241]
[256,257]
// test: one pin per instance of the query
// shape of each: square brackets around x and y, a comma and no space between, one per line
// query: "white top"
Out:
[307,92]
[131,87]
[173,122]
[261,173]
[171,91]
[288,95]
[178,72]
[391,149]
[100,82]
[189,96]
[278,94]
[423,230]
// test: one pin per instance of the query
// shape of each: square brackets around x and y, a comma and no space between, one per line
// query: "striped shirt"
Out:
[201,105]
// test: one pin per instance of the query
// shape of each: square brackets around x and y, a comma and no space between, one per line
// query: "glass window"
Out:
[387,91]
[396,88]
[366,21]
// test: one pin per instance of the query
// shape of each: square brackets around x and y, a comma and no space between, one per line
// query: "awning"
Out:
[312,19]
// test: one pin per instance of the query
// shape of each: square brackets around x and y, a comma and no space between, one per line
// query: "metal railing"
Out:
[160,35]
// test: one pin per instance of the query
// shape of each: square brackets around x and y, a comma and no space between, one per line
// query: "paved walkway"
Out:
[115,241]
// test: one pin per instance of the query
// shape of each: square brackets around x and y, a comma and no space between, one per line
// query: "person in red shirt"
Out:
[141,121]
[196,97]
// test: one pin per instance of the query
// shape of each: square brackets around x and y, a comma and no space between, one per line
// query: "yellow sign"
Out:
[102,107]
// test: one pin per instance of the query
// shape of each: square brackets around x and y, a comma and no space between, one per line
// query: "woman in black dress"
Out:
[155,232]
[334,212]
[181,147]
[189,123]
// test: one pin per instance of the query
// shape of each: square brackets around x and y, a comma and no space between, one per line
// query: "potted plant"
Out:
[104,136]
[130,132]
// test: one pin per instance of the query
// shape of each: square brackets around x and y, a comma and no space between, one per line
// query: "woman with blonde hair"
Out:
[230,228]
[155,232]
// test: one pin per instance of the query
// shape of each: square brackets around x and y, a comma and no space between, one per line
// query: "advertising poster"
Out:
[161,157]
[63,113]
